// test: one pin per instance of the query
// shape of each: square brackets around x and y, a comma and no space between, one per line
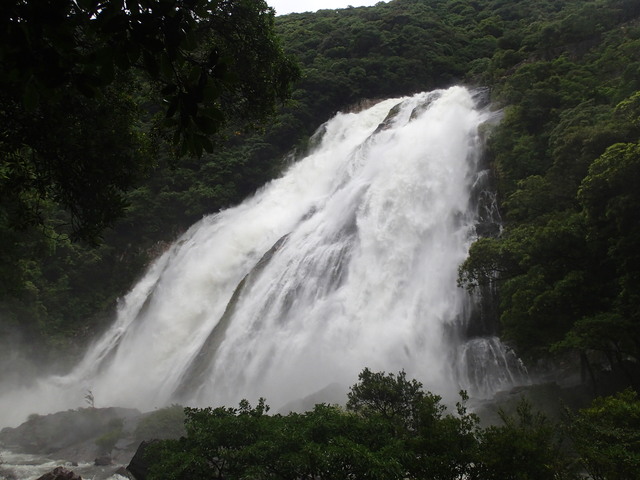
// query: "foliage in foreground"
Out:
[393,429]
[79,82]
[607,436]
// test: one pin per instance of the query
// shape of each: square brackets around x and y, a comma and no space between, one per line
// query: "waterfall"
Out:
[349,260]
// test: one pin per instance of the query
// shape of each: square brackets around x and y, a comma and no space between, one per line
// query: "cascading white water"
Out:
[347,261]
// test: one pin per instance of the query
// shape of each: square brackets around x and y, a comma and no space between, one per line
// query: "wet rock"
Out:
[103,461]
[388,121]
[7,474]
[123,472]
[60,473]
[488,229]
[139,465]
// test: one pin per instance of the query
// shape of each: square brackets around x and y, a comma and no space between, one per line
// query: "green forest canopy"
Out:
[565,159]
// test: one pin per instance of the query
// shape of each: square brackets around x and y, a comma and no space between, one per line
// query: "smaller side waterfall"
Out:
[486,365]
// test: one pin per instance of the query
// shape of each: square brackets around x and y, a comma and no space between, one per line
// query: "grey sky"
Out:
[283,7]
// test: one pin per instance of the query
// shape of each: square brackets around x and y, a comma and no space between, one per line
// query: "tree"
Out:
[203,56]
[525,447]
[611,206]
[200,62]
[215,444]
[607,436]
[245,442]
[430,442]
[392,430]
[446,447]
[82,156]
[393,397]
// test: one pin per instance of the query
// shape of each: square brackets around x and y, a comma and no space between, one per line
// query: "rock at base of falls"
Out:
[60,473]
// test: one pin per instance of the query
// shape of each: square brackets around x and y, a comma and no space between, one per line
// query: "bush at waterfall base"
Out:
[393,429]
[161,424]
[607,436]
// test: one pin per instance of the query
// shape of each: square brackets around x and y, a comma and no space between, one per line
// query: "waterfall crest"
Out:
[348,260]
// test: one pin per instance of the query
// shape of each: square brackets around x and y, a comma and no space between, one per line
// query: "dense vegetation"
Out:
[392,429]
[565,158]
[121,158]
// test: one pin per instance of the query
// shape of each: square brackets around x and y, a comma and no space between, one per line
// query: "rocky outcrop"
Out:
[103,461]
[123,472]
[75,435]
[139,465]
[60,473]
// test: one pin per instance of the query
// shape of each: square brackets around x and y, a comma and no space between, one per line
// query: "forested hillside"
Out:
[566,159]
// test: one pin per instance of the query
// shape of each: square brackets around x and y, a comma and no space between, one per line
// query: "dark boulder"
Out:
[60,473]
[103,461]
[123,472]
[139,465]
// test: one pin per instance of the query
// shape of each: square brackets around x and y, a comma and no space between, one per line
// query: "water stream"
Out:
[349,260]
